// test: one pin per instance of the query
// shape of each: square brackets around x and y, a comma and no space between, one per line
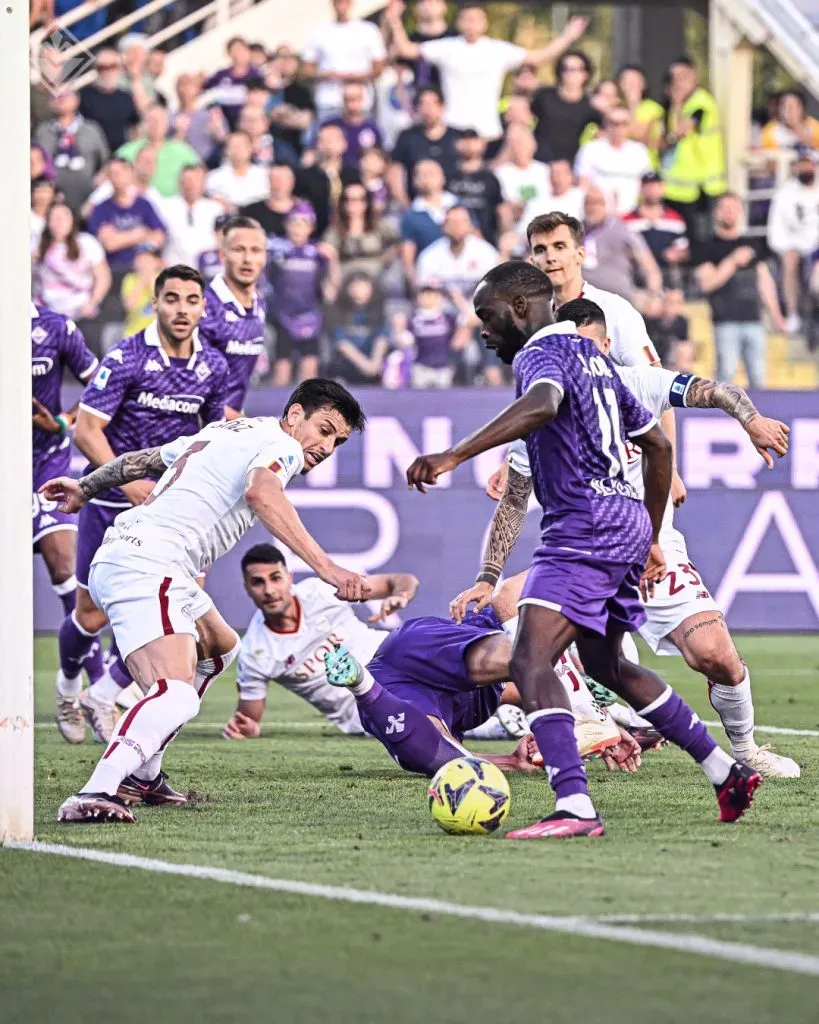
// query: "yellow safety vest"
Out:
[697,162]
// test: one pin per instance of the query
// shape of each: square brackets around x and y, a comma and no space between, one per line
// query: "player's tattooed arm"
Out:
[712,394]
[123,470]
[507,526]
[767,435]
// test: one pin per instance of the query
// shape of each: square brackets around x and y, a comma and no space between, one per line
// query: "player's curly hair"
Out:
[518,278]
[321,393]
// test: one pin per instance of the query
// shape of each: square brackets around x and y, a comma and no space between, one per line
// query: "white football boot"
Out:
[770,765]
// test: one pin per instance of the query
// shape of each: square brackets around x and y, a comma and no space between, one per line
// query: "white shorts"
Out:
[680,595]
[142,606]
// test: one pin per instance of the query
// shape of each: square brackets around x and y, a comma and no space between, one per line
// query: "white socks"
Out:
[68,687]
[510,627]
[168,705]
[491,729]
[717,766]
[735,707]
[578,803]
[207,671]
[366,684]
[106,689]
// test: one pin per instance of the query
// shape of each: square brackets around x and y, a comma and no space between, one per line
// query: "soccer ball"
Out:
[469,797]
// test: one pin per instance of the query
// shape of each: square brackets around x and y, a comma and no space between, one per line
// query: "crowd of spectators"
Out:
[397,167]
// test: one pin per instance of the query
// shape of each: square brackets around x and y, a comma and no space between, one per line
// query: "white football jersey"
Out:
[656,389]
[630,343]
[197,510]
[296,660]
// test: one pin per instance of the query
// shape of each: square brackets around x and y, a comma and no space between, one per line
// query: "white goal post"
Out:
[16,614]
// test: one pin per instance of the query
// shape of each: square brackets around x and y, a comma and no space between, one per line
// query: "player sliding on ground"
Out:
[682,616]
[433,680]
[295,624]
[598,540]
[212,487]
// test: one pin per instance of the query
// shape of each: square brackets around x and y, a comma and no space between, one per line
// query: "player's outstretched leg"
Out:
[405,730]
[543,635]
[706,644]
[148,784]
[656,701]
[170,702]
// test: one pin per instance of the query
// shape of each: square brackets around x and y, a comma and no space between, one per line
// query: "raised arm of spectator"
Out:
[575,27]
[769,295]
[404,46]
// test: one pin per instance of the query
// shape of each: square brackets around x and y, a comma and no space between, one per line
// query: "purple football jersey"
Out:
[433,336]
[296,273]
[149,398]
[422,662]
[237,332]
[56,343]
[229,89]
[578,459]
[140,214]
[358,136]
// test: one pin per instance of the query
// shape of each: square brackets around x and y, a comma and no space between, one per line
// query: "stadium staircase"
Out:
[780,27]
[215,22]
[775,24]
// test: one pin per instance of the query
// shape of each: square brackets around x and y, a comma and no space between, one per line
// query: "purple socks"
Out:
[117,670]
[554,732]
[409,736]
[75,646]
[676,721]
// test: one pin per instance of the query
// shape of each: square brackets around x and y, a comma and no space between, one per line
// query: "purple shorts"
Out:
[422,662]
[592,592]
[94,521]
[45,516]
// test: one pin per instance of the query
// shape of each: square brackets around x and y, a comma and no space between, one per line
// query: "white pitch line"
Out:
[283,726]
[699,945]
[794,918]
[778,729]
[781,730]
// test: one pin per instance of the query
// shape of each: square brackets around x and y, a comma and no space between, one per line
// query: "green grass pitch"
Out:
[85,942]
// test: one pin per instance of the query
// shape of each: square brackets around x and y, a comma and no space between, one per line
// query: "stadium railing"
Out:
[216,13]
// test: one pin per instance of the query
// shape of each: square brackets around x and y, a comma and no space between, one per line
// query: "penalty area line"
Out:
[698,945]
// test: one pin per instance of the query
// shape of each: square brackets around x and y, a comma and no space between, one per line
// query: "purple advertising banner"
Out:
[752,533]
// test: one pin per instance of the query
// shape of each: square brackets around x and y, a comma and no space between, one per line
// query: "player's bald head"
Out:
[512,301]
[516,279]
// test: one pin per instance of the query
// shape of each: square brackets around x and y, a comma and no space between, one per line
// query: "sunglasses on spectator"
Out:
[107,67]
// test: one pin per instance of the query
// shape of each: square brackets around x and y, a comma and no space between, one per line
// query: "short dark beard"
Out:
[513,339]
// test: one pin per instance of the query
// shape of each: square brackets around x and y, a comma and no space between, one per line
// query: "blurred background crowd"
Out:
[393,161]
